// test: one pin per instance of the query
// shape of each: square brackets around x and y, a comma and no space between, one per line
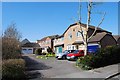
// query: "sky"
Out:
[36,20]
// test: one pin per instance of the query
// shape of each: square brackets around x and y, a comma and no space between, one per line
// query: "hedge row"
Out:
[13,69]
[109,55]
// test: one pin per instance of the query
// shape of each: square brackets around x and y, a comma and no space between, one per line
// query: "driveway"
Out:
[49,68]
[52,68]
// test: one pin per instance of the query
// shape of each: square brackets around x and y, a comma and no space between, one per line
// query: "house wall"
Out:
[58,41]
[76,36]
[47,42]
[59,49]
[108,40]
[58,45]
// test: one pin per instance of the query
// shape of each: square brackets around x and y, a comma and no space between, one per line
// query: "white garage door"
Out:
[27,51]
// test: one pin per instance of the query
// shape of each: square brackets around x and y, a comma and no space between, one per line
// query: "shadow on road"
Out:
[32,67]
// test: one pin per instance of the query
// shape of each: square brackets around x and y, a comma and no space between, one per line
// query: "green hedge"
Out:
[107,56]
[13,69]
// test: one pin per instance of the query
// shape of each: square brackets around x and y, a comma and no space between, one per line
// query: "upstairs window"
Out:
[78,34]
[70,36]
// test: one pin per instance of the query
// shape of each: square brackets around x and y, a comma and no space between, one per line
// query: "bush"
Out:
[10,48]
[49,50]
[109,55]
[13,69]
[43,53]
[38,51]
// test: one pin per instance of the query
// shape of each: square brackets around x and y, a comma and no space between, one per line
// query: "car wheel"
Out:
[76,58]
[64,57]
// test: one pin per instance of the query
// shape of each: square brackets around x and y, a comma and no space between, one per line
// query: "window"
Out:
[73,29]
[24,49]
[70,36]
[62,38]
[78,34]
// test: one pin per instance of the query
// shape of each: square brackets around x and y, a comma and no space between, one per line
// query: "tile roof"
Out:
[84,25]
[25,41]
[97,37]
[31,45]
[51,37]
[116,37]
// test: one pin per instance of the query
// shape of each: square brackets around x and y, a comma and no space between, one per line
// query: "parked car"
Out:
[63,54]
[74,55]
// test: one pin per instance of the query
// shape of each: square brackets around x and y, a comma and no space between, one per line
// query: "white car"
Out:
[63,54]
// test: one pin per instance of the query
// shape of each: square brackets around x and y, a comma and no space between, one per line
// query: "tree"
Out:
[12,32]
[85,34]
[38,51]
[11,43]
[49,50]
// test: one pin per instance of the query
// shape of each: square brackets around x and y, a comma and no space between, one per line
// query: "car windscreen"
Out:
[76,51]
[65,51]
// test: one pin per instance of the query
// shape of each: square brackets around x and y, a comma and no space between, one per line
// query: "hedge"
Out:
[107,56]
[13,69]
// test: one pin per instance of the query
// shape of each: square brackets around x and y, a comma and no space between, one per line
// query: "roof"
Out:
[78,42]
[25,41]
[97,37]
[31,45]
[116,37]
[60,36]
[84,25]
[51,37]
[59,45]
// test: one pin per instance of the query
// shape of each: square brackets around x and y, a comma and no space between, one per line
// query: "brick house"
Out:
[46,42]
[72,38]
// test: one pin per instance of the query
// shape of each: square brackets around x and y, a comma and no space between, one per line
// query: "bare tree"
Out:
[12,32]
[85,37]
[11,43]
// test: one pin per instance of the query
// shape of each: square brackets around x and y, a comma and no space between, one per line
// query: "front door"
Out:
[60,49]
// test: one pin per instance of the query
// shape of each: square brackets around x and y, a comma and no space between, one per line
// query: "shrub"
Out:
[38,51]
[13,69]
[104,57]
[10,48]
[49,50]
[44,53]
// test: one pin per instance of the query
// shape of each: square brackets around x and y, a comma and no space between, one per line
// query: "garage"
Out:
[29,48]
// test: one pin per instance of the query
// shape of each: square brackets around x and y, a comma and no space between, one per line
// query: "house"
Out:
[103,39]
[117,38]
[25,41]
[59,44]
[28,47]
[47,42]
[72,39]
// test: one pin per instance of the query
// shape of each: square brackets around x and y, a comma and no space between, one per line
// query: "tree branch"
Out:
[97,27]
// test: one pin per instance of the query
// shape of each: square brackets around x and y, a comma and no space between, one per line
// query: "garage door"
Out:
[27,51]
